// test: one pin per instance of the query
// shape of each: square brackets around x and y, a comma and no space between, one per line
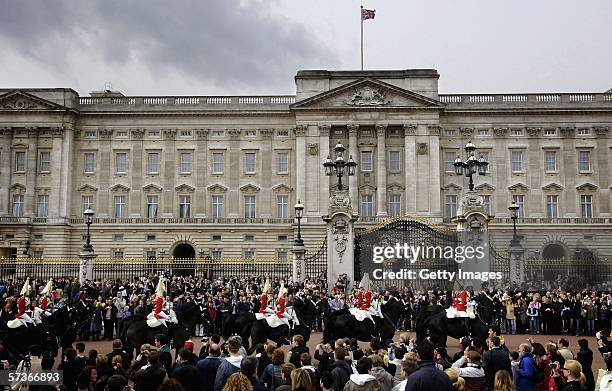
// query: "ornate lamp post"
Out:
[299,212]
[471,165]
[88,217]
[339,166]
[513,208]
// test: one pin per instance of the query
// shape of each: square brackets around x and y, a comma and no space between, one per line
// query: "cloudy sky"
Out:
[206,47]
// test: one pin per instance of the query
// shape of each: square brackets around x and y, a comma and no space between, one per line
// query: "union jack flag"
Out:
[367,14]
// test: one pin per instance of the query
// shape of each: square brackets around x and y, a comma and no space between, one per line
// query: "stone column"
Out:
[169,173]
[353,180]
[324,132]
[340,238]
[66,176]
[86,265]
[6,136]
[201,159]
[102,204]
[435,205]
[472,227]
[265,202]
[381,170]
[300,161]
[299,268]
[31,173]
[410,167]
[55,196]
[517,263]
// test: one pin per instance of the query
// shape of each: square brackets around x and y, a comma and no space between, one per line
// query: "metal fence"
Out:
[584,271]
[316,262]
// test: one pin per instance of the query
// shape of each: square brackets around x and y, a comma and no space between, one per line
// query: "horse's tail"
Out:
[327,328]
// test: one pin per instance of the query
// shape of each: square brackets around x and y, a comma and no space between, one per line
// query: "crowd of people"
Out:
[343,365]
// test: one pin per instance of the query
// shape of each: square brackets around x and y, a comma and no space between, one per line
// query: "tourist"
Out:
[458,383]
[525,369]
[341,370]
[427,377]
[585,358]
[495,359]
[363,380]
[572,371]
[384,378]
[298,346]
[248,367]
[229,365]
[503,381]
[272,375]
[208,367]
[185,372]
[472,372]
[286,370]
[306,362]
[301,380]
[238,382]
[563,346]
[152,376]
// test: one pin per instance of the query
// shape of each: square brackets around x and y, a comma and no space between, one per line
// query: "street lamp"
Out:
[201,252]
[339,166]
[88,217]
[162,253]
[299,212]
[513,208]
[471,165]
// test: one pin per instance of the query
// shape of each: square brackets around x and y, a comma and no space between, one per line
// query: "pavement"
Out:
[512,342]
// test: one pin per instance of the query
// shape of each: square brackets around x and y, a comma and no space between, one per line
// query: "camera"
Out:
[554,365]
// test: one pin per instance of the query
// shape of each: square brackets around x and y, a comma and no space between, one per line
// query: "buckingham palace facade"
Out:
[185,176]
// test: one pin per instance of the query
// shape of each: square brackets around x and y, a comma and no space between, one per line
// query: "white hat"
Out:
[25,291]
[160,290]
[48,287]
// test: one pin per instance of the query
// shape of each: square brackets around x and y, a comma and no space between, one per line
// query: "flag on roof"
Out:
[367,14]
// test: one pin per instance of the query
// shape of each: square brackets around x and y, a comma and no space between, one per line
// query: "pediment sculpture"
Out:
[367,96]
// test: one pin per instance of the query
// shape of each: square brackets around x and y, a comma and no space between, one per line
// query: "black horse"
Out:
[239,324]
[433,323]
[341,324]
[136,332]
[305,311]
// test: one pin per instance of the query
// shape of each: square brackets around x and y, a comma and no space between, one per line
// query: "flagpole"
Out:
[361,17]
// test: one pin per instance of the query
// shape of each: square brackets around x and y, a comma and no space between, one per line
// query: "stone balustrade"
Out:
[520,100]
[88,103]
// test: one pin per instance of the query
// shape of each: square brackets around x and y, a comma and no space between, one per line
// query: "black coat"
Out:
[295,355]
[150,378]
[341,372]
[208,371]
[428,378]
[495,360]
[188,376]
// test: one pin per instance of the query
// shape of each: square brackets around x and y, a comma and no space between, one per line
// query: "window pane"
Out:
[366,161]
[367,205]
[89,162]
[550,161]
[517,161]
[152,206]
[218,163]
[87,202]
[552,206]
[121,162]
[45,161]
[42,209]
[586,205]
[282,163]
[217,206]
[17,205]
[153,162]
[451,206]
[185,163]
[184,206]
[282,206]
[20,161]
[119,207]
[249,163]
[584,163]
[449,159]
[486,199]
[249,207]
[520,200]
[395,205]
[394,161]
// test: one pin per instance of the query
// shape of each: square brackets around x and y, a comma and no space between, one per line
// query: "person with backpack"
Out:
[341,369]
[272,374]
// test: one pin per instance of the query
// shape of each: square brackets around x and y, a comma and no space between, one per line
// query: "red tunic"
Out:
[281,307]
[159,305]
[264,303]
[460,301]
[21,307]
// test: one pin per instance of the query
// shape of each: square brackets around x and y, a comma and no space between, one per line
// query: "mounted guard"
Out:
[22,318]
[364,308]
[265,309]
[43,308]
[463,306]
[160,315]
[277,316]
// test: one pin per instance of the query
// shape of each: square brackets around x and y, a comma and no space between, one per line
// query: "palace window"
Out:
[185,163]
[118,253]
[217,206]
[153,162]
[151,254]
[20,161]
[89,162]
[216,253]
[17,205]
[249,253]
[449,159]
[483,132]
[218,163]
[584,132]
[250,163]
[550,161]
[586,205]
[152,206]
[367,205]
[282,163]
[120,206]
[281,254]
[42,206]
[451,205]
[485,155]
[184,206]
[552,206]
[584,161]
[516,161]
[249,206]
[87,202]
[550,132]
[282,206]
[516,132]
[118,237]
[486,200]
[366,161]
[121,163]
[395,205]
[90,134]
[394,161]
[520,201]
[44,161]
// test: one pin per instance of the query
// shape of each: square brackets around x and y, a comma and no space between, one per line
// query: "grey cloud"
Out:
[228,43]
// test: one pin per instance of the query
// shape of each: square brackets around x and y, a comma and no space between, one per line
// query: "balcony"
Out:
[182,221]
[549,220]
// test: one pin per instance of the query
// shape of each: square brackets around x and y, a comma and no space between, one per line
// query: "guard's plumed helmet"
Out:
[267,286]
[282,291]
[48,288]
[160,290]
[25,291]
